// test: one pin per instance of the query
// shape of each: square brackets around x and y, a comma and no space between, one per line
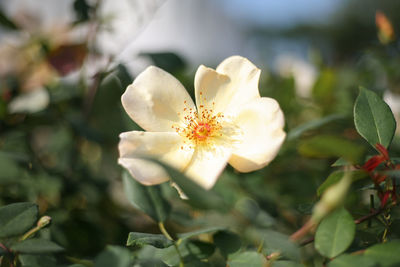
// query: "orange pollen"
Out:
[202,127]
[202,131]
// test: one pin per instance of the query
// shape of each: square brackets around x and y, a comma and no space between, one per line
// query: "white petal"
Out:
[156,100]
[261,122]
[167,147]
[144,171]
[212,89]
[30,102]
[244,77]
[207,165]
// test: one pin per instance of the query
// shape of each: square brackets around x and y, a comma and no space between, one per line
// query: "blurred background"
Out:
[65,64]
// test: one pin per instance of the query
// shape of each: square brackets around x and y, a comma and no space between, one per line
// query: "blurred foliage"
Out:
[60,160]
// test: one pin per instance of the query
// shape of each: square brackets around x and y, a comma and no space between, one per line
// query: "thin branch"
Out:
[303,230]
[164,231]
[168,236]
[368,216]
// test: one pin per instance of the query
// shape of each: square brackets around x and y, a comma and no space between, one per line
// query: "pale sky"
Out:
[280,12]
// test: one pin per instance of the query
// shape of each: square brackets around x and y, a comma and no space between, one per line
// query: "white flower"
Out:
[229,123]
[303,72]
[393,100]
[30,102]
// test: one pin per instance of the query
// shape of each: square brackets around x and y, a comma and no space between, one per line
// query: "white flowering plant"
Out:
[173,163]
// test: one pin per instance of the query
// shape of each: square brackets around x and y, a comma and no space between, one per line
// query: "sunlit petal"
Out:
[144,171]
[207,165]
[212,89]
[167,147]
[262,122]
[232,84]
[244,77]
[156,100]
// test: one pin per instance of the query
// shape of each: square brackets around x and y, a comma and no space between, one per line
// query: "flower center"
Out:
[202,131]
[206,129]
[200,127]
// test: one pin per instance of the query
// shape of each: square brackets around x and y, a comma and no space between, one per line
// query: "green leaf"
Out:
[149,263]
[17,218]
[335,233]
[82,10]
[141,239]
[148,199]
[323,88]
[123,76]
[347,260]
[36,246]
[227,242]
[299,130]
[286,264]
[217,260]
[247,259]
[104,122]
[373,118]
[277,242]
[168,61]
[198,196]
[37,260]
[198,249]
[273,241]
[9,169]
[250,209]
[199,232]
[336,176]
[15,156]
[191,252]
[6,22]
[386,254]
[113,256]
[325,146]
[340,162]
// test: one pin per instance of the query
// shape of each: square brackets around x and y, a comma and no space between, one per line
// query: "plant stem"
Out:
[30,233]
[164,231]
[368,216]
[168,236]
[302,231]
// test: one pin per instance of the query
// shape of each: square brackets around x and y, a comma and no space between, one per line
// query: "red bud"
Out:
[383,151]
[379,178]
[386,33]
[373,162]
[385,198]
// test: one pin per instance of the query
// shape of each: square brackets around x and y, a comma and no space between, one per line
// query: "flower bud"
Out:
[44,221]
[385,28]
[373,162]
[332,198]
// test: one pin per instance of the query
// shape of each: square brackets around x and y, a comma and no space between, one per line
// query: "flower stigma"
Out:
[202,130]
